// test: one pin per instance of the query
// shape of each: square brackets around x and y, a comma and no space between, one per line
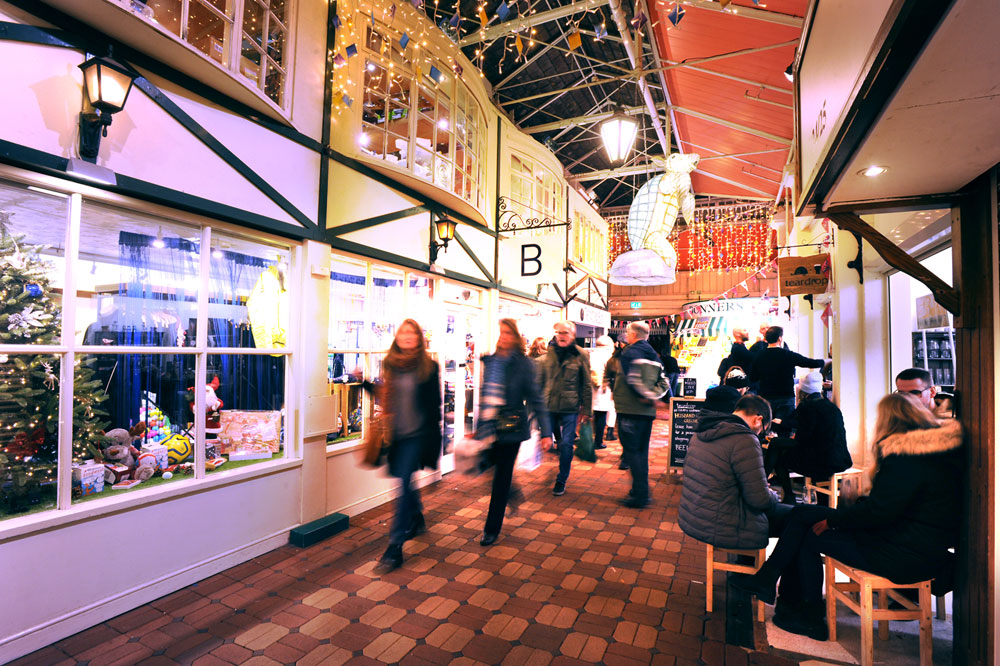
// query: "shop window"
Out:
[245,36]
[386,305]
[348,288]
[535,191]
[29,437]
[142,288]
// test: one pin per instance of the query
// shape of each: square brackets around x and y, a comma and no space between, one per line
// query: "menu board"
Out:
[684,414]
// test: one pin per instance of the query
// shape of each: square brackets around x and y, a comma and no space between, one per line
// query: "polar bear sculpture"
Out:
[651,219]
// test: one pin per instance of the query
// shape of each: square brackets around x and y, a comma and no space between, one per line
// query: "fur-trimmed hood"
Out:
[922,442]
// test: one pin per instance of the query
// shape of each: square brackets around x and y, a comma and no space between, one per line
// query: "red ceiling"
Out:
[705,32]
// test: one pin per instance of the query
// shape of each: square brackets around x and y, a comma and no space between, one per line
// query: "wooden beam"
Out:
[944,294]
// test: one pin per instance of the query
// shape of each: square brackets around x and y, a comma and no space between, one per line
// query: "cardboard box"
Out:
[242,430]
[160,451]
[88,479]
[115,472]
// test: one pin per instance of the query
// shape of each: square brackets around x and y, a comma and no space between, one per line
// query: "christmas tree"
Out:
[29,388]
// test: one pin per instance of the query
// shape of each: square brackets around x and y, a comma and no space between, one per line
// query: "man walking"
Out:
[774,370]
[568,394]
[636,391]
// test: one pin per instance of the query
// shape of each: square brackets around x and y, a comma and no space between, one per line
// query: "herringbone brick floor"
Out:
[573,579]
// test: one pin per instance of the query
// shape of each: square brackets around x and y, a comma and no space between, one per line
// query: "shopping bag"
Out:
[585,442]
[373,452]
[469,456]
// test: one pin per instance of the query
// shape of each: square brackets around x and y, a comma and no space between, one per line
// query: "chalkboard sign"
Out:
[683,419]
[690,388]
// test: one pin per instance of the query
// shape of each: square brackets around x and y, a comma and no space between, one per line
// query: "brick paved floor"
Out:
[573,579]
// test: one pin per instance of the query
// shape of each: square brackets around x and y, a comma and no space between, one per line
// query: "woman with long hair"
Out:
[902,530]
[409,393]
[509,389]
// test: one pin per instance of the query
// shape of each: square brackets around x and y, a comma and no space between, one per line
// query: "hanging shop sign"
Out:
[581,313]
[528,261]
[804,275]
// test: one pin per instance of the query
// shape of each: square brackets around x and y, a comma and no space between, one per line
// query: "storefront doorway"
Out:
[459,354]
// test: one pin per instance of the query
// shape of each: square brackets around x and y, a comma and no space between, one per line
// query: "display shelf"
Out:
[934,351]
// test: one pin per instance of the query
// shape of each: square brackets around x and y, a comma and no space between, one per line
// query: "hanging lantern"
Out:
[618,133]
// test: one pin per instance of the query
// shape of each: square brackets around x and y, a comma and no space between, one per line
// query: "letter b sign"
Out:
[530,263]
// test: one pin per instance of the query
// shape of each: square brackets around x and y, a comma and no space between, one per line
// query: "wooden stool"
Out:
[830,487]
[864,584]
[711,566]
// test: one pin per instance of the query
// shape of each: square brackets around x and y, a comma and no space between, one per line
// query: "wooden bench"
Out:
[711,566]
[830,487]
[865,585]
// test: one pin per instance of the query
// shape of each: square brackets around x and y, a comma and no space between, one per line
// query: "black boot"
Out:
[392,559]
[760,584]
[610,434]
[811,621]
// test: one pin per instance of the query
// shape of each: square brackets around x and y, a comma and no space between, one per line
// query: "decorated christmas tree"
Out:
[29,383]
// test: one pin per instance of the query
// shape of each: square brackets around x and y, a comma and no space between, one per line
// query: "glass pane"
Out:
[459,183]
[399,106]
[29,441]
[33,265]
[165,13]
[274,83]
[386,306]
[277,8]
[396,148]
[248,300]
[341,365]
[253,22]
[376,78]
[247,424]
[347,304]
[276,42]
[420,303]
[142,401]
[442,173]
[141,288]
[208,32]
[443,143]
[348,393]
[443,115]
[372,141]
[425,101]
[224,6]
[460,126]
[250,61]
[422,162]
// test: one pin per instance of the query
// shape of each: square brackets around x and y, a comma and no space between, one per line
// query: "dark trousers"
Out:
[566,425]
[775,461]
[796,557]
[600,423]
[405,461]
[781,408]
[503,456]
[634,432]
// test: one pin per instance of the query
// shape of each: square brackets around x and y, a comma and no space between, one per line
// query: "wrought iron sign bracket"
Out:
[510,221]
[855,263]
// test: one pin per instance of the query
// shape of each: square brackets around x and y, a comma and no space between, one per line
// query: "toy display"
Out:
[212,403]
[159,451]
[158,426]
[88,478]
[179,448]
[214,463]
[118,451]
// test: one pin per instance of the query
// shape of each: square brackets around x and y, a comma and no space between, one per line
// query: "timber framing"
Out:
[947,296]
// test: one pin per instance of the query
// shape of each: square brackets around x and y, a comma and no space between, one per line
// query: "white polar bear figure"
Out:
[651,219]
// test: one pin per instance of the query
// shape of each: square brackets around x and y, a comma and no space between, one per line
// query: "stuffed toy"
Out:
[122,461]
[212,403]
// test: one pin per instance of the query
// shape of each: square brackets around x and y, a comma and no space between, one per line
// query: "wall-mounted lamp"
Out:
[445,228]
[107,84]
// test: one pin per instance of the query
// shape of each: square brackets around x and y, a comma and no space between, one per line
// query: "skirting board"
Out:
[378,500]
[45,634]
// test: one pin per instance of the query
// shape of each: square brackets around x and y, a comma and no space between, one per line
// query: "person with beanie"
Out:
[819,447]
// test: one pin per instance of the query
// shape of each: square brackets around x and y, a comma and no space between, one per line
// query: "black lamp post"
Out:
[107,84]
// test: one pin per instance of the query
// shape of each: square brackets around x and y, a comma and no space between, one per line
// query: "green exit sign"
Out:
[635,305]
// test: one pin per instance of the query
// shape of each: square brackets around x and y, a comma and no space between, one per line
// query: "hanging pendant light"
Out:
[618,133]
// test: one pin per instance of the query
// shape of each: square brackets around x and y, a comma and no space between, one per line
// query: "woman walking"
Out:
[902,530]
[409,392]
[509,390]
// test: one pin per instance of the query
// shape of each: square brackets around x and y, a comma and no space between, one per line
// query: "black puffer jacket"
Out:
[911,517]
[820,439]
[725,492]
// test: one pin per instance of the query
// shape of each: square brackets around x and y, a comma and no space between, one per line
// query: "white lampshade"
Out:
[618,133]
[107,83]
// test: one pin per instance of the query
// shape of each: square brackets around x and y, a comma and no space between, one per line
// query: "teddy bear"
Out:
[117,450]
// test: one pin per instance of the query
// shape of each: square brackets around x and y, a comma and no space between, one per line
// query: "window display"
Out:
[133,339]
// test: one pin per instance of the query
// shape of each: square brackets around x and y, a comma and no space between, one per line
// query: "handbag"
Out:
[585,443]
[376,444]
[510,422]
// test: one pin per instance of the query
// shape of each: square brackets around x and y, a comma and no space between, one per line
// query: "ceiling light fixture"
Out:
[790,72]
[618,133]
[872,171]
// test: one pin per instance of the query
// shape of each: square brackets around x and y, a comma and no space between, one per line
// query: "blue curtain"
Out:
[146,314]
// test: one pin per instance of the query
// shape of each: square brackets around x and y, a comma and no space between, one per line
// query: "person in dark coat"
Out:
[902,530]
[739,355]
[409,394]
[819,448]
[509,390]
[774,371]
[725,500]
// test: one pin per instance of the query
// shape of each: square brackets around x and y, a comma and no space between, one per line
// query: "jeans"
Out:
[600,422]
[405,461]
[634,432]
[503,456]
[781,408]
[566,425]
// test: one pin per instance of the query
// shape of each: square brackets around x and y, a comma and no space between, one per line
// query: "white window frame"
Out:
[65,510]
[234,49]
